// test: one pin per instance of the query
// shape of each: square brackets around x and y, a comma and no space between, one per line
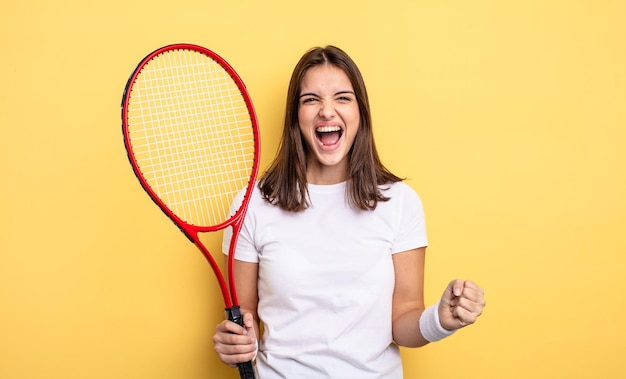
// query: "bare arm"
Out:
[461,304]
[408,297]
[246,278]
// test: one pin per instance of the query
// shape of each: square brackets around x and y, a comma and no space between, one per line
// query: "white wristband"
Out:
[430,327]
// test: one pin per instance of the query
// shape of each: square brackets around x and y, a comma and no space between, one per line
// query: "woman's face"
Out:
[328,115]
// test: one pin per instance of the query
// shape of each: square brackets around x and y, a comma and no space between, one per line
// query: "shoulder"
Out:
[257,202]
[403,199]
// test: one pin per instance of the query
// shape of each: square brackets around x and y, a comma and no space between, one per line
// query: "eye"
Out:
[345,96]
[345,99]
[308,100]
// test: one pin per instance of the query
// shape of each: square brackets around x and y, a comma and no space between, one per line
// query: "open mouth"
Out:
[328,135]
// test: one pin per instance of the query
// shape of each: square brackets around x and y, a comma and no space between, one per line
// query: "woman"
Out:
[331,255]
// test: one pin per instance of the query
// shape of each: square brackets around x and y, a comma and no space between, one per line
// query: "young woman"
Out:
[330,259]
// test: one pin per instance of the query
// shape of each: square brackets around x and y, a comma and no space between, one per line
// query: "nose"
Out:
[327,110]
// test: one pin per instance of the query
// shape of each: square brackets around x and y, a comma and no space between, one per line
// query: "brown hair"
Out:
[285,184]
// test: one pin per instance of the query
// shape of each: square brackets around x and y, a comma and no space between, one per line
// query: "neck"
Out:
[325,175]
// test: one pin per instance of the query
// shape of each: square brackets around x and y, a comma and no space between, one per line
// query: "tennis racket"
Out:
[192,139]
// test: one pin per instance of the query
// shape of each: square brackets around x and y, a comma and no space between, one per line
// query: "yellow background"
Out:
[509,119]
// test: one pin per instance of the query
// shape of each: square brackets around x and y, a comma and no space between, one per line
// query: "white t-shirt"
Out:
[326,281]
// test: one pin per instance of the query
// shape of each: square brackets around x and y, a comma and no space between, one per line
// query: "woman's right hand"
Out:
[234,343]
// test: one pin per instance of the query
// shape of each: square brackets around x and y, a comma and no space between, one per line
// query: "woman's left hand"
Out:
[461,304]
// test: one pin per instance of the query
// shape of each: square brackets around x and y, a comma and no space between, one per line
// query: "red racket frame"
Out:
[229,292]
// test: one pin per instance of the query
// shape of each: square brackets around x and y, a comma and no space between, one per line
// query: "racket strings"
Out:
[191,135]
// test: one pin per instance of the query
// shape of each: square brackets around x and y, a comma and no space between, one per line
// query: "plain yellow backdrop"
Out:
[508,117]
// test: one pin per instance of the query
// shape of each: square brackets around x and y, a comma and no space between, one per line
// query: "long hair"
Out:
[284,183]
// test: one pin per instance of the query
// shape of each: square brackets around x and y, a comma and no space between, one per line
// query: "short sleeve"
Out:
[245,249]
[411,232]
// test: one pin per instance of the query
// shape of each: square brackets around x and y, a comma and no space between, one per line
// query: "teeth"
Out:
[328,129]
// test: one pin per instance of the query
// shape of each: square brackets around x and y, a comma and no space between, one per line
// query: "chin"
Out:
[331,161]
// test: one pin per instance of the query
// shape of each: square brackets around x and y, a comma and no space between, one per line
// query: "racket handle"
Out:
[246,369]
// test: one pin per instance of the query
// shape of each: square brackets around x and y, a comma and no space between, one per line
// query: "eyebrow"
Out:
[336,93]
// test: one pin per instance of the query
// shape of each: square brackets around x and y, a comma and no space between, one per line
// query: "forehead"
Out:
[325,77]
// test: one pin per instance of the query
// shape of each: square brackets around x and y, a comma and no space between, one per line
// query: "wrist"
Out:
[430,326]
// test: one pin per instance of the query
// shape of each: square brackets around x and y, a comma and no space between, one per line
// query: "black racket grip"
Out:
[246,369]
